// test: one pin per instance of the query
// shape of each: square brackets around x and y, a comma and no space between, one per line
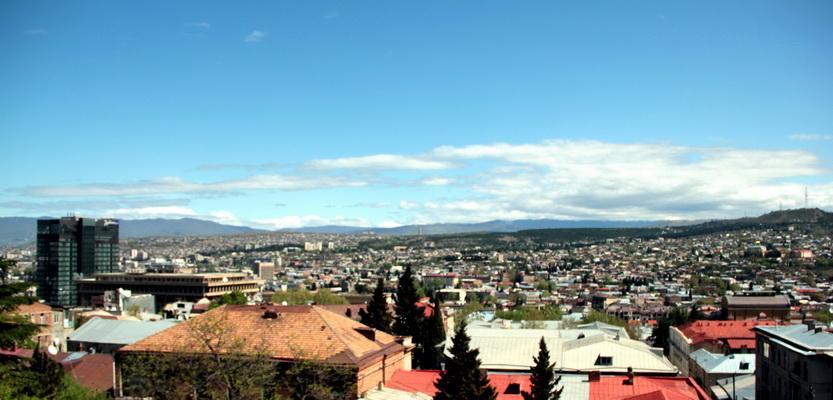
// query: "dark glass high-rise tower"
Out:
[70,248]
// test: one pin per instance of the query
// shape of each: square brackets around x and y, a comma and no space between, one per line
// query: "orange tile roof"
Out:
[298,332]
[646,388]
[33,308]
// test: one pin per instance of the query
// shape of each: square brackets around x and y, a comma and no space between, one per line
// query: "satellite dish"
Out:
[225,279]
[52,350]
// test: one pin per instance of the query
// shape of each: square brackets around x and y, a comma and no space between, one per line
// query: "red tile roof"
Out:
[308,332]
[646,388]
[730,332]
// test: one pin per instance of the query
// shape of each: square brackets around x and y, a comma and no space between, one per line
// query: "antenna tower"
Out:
[806,198]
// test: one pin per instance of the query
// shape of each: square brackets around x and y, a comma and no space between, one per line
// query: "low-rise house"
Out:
[50,320]
[592,347]
[102,335]
[717,337]
[706,368]
[775,307]
[419,385]
[284,335]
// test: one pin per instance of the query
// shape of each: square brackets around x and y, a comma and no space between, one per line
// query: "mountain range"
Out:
[21,230]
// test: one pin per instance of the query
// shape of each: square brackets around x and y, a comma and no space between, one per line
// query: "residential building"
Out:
[70,248]
[290,334]
[794,362]
[419,385]
[100,335]
[775,307]
[592,347]
[717,337]
[51,322]
[707,368]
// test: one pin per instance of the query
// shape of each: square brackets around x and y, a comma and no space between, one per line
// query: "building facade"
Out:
[70,248]
[794,362]
[168,288]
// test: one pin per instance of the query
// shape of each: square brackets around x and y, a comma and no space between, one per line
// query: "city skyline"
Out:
[386,114]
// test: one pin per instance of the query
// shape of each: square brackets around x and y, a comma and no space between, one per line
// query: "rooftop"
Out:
[282,332]
[112,331]
[800,335]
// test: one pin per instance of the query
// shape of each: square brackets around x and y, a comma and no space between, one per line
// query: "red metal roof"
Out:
[646,388]
[423,382]
[715,331]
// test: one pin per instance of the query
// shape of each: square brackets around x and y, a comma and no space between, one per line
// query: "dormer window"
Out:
[604,361]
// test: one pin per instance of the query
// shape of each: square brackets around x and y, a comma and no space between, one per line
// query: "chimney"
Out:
[594,376]
[629,381]
[819,329]
[811,324]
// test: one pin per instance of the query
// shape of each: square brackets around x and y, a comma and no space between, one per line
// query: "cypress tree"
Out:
[462,378]
[408,313]
[543,379]
[434,339]
[377,315]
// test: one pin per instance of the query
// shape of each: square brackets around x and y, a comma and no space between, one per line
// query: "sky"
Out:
[385,113]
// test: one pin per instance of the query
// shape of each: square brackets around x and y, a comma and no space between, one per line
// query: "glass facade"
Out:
[71,248]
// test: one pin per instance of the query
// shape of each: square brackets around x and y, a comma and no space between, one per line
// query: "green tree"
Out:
[462,378]
[661,335]
[302,297]
[433,342]
[542,377]
[377,314]
[15,329]
[235,297]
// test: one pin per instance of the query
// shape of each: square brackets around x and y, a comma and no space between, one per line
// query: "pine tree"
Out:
[543,379]
[434,339]
[377,315]
[462,378]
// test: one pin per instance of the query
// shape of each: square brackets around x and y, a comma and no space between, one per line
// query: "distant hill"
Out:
[489,226]
[814,218]
[21,230]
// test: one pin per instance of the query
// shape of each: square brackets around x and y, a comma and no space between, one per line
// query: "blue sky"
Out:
[280,114]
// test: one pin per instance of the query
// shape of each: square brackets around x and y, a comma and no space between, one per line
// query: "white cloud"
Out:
[437,181]
[174,185]
[389,224]
[225,217]
[254,36]
[408,205]
[381,161]
[300,221]
[809,137]
[151,212]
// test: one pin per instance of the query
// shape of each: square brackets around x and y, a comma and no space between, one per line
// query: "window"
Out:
[744,365]
[766,349]
[604,360]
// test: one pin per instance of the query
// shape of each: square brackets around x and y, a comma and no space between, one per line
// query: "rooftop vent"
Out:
[270,314]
